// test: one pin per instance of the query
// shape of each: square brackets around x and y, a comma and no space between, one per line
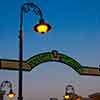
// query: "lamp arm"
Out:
[26,7]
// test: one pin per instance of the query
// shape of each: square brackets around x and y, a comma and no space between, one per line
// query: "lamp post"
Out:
[69,92]
[42,28]
[6,84]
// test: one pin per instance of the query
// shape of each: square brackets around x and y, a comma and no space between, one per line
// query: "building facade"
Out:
[95,96]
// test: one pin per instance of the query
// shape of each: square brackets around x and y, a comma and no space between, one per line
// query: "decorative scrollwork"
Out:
[70,89]
[6,84]
[32,7]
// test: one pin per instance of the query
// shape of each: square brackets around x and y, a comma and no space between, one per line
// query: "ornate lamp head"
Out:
[11,94]
[42,27]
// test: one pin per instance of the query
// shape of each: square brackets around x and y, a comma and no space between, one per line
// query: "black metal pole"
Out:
[20,97]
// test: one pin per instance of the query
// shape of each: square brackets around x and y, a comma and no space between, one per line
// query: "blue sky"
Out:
[75,32]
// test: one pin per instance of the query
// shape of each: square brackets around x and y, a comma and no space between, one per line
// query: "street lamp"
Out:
[11,94]
[41,27]
[7,84]
[69,92]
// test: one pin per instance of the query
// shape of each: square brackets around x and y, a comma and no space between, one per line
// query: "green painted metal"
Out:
[28,65]
[53,56]
[32,62]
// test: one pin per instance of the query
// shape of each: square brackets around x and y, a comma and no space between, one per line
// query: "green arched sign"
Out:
[33,61]
[53,56]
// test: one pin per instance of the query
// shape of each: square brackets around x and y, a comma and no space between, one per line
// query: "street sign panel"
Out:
[13,65]
[93,71]
[33,61]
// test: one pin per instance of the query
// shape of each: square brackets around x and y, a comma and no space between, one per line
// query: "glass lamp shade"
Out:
[66,97]
[42,27]
[11,94]
[78,98]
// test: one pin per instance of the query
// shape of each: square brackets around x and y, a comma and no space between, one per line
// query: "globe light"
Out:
[66,97]
[78,98]
[11,94]
[42,27]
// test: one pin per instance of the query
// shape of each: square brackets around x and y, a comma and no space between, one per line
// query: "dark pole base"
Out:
[20,98]
[1,96]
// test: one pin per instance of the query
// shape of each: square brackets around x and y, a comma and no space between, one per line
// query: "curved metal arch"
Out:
[53,56]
